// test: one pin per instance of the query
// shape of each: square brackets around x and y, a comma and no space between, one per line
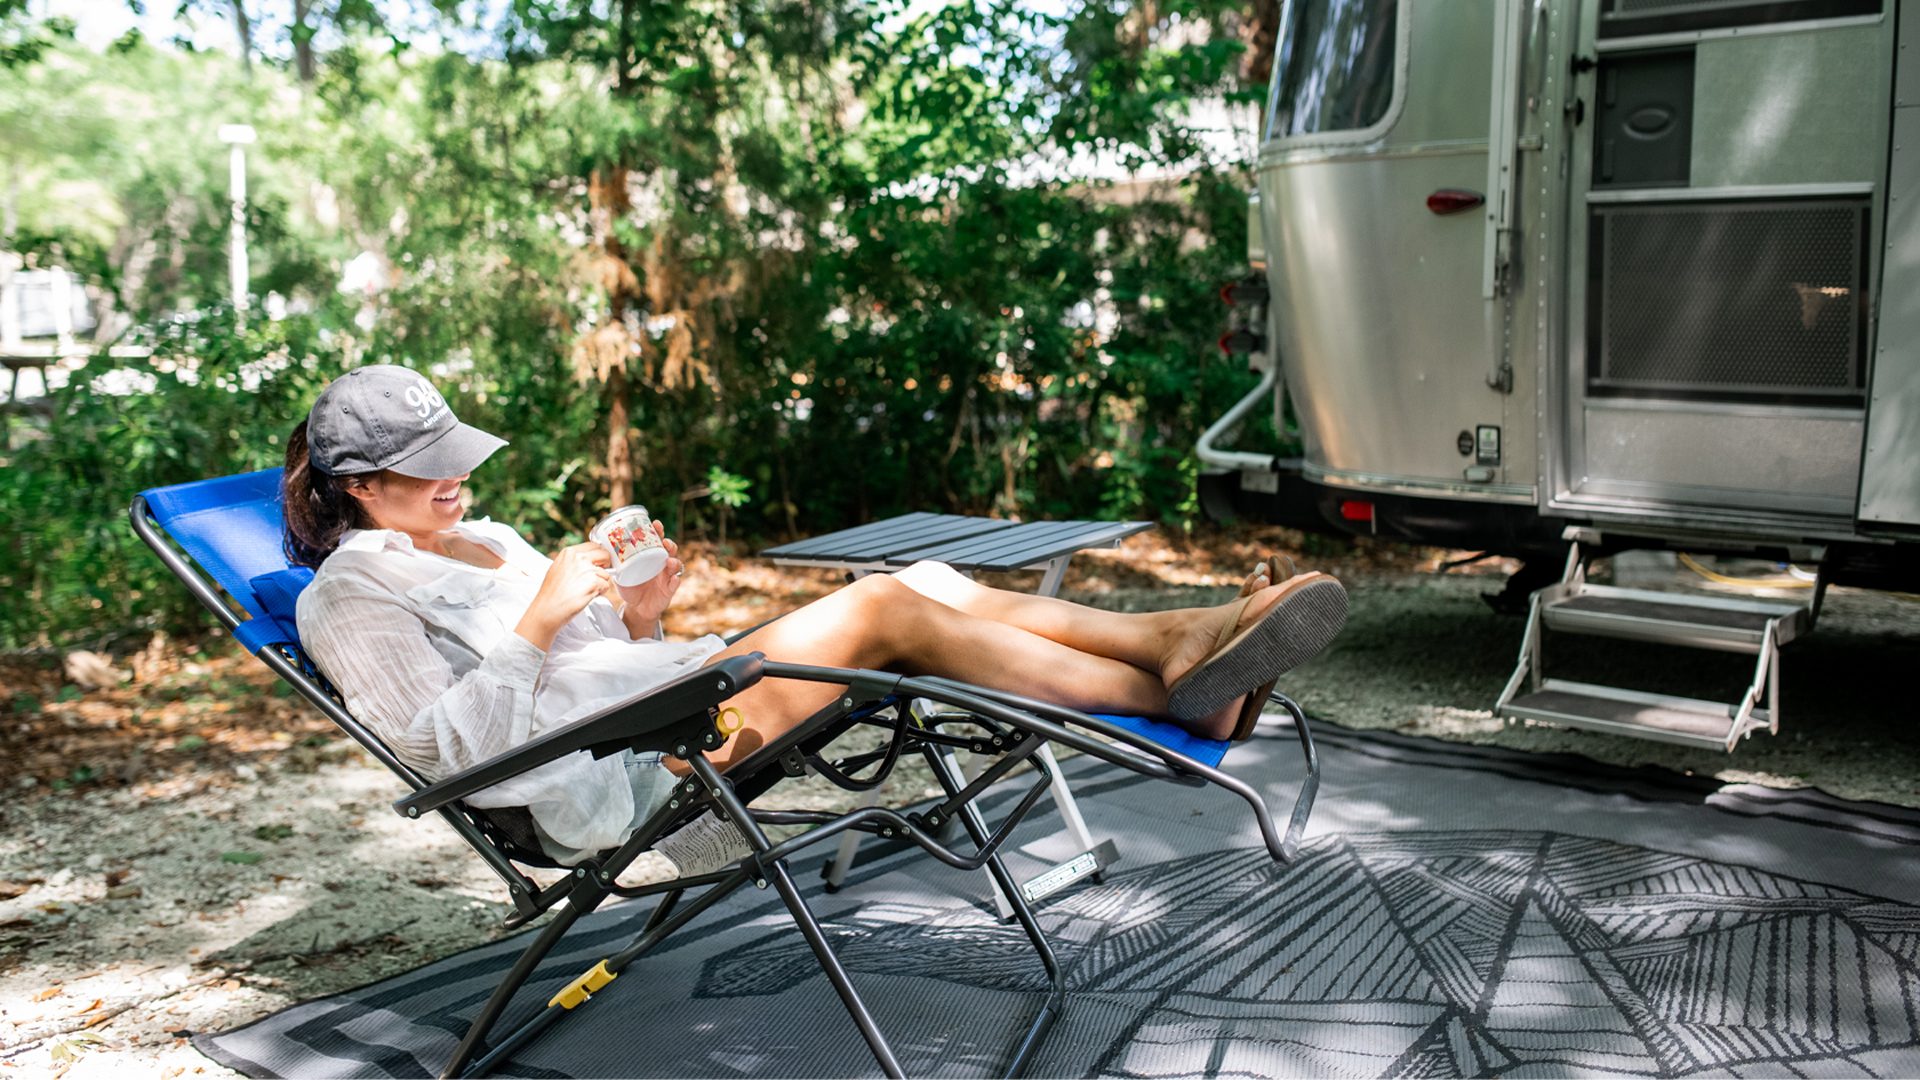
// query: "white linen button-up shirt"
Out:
[422,648]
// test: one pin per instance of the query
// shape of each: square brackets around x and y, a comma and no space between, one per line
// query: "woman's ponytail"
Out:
[318,508]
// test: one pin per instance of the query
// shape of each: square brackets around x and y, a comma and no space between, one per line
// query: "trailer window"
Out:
[1334,70]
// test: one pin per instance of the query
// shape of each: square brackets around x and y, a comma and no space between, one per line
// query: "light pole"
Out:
[238,135]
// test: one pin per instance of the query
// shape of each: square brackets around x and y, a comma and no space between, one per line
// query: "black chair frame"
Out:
[681,718]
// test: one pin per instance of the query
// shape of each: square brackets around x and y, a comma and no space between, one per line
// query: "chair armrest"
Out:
[676,715]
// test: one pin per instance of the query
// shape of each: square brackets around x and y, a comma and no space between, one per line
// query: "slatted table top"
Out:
[965,543]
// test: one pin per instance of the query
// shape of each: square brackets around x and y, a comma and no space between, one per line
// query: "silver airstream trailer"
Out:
[1554,278]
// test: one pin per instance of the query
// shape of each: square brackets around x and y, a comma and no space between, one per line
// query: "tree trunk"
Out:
[244,28]
[623,60]
[1263,34]
[10,208]
[303,61]
[607,193]
[619,453]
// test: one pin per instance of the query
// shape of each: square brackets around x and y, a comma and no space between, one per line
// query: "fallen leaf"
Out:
[11,889]
[92,670]
[124,892]
[230,984]
[47,993]
[52,909]
[95,1005]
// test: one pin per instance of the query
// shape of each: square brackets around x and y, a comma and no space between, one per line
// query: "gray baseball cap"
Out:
[390,417]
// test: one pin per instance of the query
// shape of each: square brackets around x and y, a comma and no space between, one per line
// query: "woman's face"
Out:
[410,505]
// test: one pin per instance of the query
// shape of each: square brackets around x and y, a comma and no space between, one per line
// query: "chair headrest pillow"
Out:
[279,594]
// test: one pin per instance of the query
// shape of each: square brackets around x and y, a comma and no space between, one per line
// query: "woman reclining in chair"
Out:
[455,640]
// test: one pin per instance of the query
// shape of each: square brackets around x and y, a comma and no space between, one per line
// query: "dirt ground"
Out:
[194,848]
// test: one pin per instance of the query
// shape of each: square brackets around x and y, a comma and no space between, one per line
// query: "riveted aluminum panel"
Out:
[1381,327]
[1906,62]
[1889,476]
[1754,458]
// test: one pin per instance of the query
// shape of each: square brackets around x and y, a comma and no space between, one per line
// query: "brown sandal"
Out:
[1266,565]
[1251,711]
[1309,613]
[1256,703]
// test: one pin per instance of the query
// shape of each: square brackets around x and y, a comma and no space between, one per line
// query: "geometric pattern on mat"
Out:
[1487,953]
[1396,945]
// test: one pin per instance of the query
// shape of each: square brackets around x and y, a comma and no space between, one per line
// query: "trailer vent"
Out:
[1744,302]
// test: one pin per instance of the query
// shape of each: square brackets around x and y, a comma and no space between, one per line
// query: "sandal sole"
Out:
[1299,626]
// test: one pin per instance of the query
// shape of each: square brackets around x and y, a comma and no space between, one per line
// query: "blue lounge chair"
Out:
[231,528]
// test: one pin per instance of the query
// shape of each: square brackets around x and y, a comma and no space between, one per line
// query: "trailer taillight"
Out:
[1453,200]
[1355,510]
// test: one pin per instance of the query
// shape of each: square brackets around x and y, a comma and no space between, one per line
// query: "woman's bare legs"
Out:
[931,620]
[881,622]
[1167,642]
[1147,640]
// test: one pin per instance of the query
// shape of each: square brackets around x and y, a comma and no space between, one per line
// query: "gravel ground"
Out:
[226,887]
[149,917]
[1423,654]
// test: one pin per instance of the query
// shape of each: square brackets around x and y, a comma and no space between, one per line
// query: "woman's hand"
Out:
[578,574]
[647,601]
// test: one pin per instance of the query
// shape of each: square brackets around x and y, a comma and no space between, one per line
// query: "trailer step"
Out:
[1700,622]
[1661,717]
[1754,627]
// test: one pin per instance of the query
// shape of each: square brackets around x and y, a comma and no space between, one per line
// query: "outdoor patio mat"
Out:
[1461,911]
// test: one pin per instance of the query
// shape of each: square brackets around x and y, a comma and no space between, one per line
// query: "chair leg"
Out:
[550,936]
[1051,1008]
[837,975]
[802,915]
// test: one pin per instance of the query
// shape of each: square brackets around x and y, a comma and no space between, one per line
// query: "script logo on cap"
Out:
[428,403]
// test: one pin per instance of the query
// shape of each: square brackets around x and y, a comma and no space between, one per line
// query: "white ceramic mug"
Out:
[628,536]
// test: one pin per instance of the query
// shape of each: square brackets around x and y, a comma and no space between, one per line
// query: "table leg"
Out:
[1063,798]
[1056,574]
[849,844]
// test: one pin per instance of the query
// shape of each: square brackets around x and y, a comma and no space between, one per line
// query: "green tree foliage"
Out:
[844,259]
